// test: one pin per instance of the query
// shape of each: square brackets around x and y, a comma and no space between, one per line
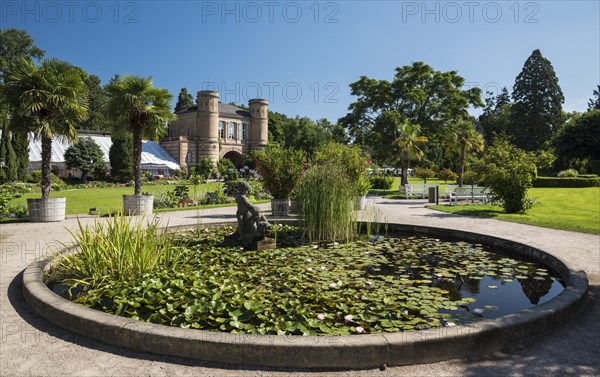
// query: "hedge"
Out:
[566,182]
[382,183]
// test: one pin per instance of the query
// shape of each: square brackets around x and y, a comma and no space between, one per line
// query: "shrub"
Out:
[57,183]
[7,209]
[424,173]
[167,199]
[447,175]
[204,169]
[566,182]
[382,183]
[224,165]
[568,173]
[325,195]
[508,171]
[280,169]
[231,176]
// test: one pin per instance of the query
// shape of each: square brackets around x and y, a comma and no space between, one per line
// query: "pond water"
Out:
[378,284]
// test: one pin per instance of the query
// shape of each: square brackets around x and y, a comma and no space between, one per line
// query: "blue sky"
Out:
[303,55]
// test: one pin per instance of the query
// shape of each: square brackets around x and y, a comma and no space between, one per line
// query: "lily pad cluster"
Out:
[380,284]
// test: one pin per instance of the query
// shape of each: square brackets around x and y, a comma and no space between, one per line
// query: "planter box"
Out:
[138,204]
[46,209]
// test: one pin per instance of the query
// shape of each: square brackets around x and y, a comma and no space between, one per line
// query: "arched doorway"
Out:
[236,157]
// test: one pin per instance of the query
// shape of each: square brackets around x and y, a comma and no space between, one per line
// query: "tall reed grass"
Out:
[325,194]
[117,249]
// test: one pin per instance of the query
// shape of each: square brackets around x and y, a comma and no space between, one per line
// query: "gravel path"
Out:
[30,346]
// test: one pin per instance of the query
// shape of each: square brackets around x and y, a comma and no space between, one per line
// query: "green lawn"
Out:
[576,209]
[80,201]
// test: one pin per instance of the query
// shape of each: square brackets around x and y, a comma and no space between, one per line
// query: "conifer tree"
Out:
[537,110]
[184,100]
[121,157]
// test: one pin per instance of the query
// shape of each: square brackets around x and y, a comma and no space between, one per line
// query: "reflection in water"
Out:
[535,289]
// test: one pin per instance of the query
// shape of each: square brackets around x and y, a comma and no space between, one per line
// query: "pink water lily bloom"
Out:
[320,317]
[359,329]
[349,318]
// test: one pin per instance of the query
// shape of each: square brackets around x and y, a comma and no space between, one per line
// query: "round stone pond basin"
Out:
[441,295]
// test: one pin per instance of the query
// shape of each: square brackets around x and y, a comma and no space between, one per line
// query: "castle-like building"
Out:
[215,130]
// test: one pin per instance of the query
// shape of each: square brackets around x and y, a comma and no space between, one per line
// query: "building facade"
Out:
[215,130]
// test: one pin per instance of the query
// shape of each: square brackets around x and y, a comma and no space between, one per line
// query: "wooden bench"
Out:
[470,192]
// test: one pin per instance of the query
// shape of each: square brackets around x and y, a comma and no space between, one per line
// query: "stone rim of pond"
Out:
[340,352]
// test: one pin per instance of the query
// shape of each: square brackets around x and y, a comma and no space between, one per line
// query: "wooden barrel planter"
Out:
[138,204]
[46,209]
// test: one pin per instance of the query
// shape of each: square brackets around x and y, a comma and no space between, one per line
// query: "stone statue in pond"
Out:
[252,224]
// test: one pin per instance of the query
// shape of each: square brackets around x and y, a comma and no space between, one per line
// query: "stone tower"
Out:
[208,123]
[259,123]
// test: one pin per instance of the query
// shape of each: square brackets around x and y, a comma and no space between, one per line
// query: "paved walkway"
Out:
[30,346]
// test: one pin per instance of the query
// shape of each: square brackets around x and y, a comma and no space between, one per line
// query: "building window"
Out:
[189,133]
[231,131]
[244,131]
[221,130]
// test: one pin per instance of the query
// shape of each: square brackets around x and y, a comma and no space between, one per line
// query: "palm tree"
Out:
[55,97]
[138,107]
[462,138]
[407,146]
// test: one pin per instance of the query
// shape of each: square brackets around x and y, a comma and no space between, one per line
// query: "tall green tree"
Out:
[594,103]
[20,142]
[418,93]
[537,110]
[120,156]
[55,95]
[462,138]
[8,159]
[97,119]
[580,138]
[86,156]
[15,45]
[407,146]
[138,107]
[184,100]
[495,119]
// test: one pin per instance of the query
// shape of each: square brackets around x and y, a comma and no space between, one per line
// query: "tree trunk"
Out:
[462,167]
[84,175]
[46,158]
[137,159]
[404,180]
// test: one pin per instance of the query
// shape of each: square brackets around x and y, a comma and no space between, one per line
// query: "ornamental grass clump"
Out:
[116,249]
[325,194]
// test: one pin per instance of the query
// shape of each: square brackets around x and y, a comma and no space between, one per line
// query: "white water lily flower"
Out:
[320,317]
[335,244]
[359,329]
[450,324]
[309,269]
[349,318]
[332,285]
[366,253]
[477,311]
[323,268]
[368,283]
[316,247]
[309,260]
